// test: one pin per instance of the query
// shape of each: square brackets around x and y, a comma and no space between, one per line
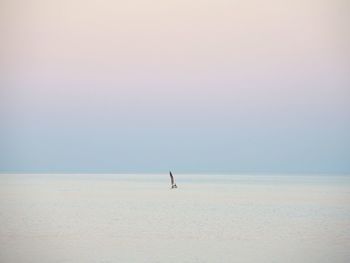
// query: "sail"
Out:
[172,178]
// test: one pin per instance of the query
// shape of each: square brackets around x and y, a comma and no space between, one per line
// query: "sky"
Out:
[198,86]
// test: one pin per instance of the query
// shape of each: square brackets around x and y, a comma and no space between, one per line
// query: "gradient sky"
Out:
[192,86]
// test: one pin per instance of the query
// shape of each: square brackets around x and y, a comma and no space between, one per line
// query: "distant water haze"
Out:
[194,86]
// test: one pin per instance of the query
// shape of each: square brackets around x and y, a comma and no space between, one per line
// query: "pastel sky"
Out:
[191,86]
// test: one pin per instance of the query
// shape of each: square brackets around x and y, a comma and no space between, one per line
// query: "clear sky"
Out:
[187,85]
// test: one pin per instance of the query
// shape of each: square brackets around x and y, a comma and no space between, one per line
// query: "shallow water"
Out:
[209,218]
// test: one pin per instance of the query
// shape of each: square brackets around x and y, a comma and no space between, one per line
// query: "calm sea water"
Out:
[209,218]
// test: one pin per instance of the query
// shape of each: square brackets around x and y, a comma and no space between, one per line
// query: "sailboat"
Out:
[173,184]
